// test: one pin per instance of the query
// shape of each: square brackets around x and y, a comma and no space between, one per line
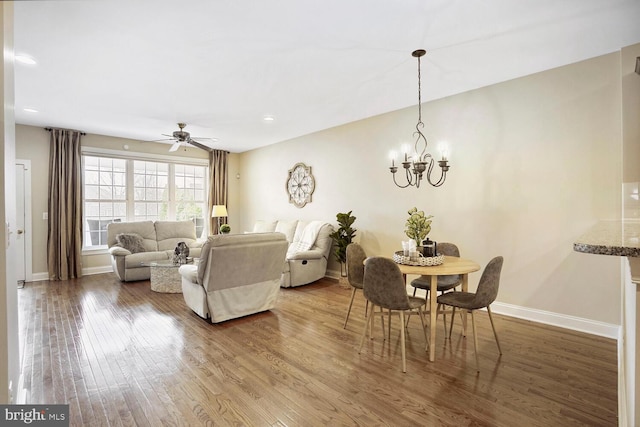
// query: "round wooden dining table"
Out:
[451,265]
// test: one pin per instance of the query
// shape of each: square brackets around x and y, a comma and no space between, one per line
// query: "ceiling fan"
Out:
[182,137]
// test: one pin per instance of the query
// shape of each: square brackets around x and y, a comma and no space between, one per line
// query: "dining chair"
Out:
[355,273]
[445,283]
[384,286]
[484,296]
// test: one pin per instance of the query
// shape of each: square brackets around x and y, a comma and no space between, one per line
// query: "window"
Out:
[117,189]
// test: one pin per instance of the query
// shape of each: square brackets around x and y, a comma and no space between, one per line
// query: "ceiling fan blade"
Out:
[175,146]
[201,146]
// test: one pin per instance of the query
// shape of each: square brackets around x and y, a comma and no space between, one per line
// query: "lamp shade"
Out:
[218,211]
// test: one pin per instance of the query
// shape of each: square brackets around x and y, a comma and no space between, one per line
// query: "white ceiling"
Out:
[134,68]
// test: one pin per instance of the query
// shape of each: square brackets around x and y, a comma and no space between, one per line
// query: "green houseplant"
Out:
[225,229]
[342,237]
[418,225]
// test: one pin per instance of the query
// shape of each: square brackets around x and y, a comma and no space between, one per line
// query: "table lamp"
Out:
[219,211]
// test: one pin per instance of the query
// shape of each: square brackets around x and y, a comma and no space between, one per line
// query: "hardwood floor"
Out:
[120,354]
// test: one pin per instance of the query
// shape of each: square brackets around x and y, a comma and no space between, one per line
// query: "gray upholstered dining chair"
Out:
[355,273]
[445,283]
[384,286]
[483,297]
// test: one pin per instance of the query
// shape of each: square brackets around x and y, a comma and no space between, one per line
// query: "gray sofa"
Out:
[305,261]
[158,242]
[238,275]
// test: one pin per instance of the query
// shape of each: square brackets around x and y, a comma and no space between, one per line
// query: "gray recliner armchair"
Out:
[237,275]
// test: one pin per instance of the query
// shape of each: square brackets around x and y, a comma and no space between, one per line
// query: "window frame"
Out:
[130,156]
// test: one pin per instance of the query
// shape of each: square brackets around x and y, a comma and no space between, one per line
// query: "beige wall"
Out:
[535,162]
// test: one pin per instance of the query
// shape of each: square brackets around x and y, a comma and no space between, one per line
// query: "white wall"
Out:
[535,162]
[9,342]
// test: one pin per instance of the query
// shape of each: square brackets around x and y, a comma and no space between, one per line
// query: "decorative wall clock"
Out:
[300,185]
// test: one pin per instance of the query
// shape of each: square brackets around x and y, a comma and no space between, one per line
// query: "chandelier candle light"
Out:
[420,161]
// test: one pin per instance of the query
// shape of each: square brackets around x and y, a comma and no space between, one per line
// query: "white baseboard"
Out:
[97,270]
[580,324]
[38,277]
[549,318]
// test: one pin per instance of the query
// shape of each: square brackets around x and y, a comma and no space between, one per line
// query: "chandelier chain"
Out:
[422,161]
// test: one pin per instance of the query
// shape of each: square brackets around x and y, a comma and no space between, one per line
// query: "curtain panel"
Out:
[218,185]
[64,239]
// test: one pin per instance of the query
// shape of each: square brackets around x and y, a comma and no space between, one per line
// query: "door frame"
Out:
[28,228]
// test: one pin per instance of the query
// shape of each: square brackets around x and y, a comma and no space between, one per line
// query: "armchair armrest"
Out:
[119,251]
[197,244]
[189,272]
[310,254]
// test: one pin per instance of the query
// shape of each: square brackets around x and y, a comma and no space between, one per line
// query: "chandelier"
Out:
[420,161]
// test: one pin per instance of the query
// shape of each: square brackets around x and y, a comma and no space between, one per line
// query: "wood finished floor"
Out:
[122,355]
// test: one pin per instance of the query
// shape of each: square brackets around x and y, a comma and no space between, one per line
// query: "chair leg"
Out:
[382,323]
[389,325]
[404,360]
[495,334]
[475,340]
[444,318]
[424,325]
[367,324]
[411,312]
[453,316]
[346,319]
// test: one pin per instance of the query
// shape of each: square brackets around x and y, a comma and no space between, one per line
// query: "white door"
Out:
[23,221]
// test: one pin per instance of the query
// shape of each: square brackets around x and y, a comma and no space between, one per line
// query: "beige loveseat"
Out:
[308,252]
[159,240]
[238,275]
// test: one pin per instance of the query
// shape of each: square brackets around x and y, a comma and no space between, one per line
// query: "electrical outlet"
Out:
[45,215]
[10,392]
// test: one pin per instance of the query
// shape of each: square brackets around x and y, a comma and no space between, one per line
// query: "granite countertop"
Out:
[618,238]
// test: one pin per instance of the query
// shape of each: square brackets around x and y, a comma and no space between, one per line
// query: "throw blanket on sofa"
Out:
[308,238]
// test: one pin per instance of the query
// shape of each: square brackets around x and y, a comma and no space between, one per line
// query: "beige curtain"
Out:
[64,240]
[218,185]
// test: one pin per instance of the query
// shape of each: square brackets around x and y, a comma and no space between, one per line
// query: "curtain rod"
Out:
[81,133]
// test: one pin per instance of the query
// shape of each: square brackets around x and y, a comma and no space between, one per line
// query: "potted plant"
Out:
[225,229]
[418,225]
[342,237]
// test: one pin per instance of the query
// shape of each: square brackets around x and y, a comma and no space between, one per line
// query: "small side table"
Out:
[165,277]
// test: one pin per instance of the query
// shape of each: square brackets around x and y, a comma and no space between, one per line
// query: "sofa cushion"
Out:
[288,228]
[136,260]
[143,228]
[264,226]
[170,233]
[132,242]
[306,239]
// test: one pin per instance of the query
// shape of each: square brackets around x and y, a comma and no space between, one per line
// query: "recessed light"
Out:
[268,118]
[30,110]
[25,59]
